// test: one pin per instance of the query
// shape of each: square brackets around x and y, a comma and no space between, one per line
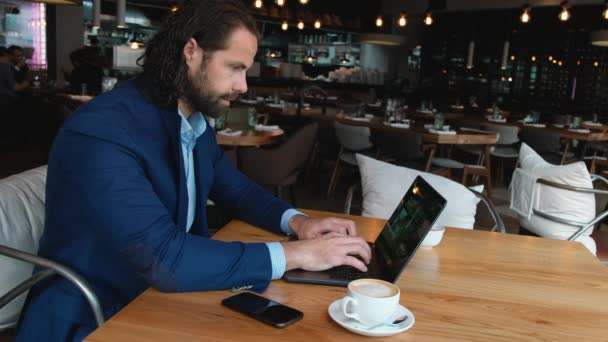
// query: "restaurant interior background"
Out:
[437,52]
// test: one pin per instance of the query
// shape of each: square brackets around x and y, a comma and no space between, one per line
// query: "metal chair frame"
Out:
[50,268]
[584,226]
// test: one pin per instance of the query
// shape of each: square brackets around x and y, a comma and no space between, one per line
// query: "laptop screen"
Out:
[407,227]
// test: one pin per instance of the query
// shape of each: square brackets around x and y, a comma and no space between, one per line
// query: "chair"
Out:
[21,222]
[468,170]
[352,139]
[382,185]
[599,236]
[404,149]
[505,145]
[281,166]
[546,143]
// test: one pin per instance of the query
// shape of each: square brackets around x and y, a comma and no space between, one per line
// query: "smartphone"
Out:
[262,309]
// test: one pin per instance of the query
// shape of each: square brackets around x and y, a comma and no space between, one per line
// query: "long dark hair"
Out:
[209,22]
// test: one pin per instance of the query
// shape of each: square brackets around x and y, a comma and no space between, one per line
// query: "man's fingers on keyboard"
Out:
[354,262]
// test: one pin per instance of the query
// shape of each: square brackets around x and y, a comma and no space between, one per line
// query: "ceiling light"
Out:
[303,2]
[533,58]
[428,19]
[560,63]
[310,59]
[596,64]
[300,25]
[317,24]
[605,12]
[121,10]
[280,2]
[258,3]
[96,13]
[564,15]
[550,58]
[525,15]
[174,8]
[379,21]
[284,25]
[512,57]
[402,20]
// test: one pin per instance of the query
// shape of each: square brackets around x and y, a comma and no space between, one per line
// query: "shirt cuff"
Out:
[287,215]
[277,259]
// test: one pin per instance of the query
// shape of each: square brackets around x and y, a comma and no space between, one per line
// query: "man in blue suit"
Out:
[130,173]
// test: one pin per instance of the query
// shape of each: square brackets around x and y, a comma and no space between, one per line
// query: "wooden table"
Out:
[462,137]
[597,133]
[474,286]
[250,137]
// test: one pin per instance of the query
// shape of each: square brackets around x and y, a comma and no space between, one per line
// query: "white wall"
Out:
[70,36]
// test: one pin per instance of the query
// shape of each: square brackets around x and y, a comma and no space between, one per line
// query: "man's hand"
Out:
[309,228]
[327,251]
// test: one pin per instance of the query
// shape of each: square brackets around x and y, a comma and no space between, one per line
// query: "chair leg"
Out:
[334,174]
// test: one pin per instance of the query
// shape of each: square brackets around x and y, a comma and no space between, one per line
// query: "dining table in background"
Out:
[474,286]
[588,133]
[250,137]
[460,137]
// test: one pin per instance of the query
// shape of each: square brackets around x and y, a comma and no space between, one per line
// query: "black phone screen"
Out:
[263,309]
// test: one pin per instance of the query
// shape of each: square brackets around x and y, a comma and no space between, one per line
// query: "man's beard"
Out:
[197,94]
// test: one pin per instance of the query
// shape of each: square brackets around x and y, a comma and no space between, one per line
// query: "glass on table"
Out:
[576,122]
[220,122]
[439,120]
[252,117]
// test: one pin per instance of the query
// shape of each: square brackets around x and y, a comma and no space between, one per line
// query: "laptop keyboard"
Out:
[345,272]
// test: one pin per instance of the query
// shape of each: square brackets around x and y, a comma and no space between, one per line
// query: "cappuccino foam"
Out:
[373,289]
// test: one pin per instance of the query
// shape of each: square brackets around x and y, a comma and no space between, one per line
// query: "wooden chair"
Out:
[279,167]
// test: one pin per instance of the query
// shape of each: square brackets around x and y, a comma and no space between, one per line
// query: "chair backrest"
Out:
[22,199]
[22,210]
[401,146]
[353,138]
[273,166]
[507,135]
[541,141]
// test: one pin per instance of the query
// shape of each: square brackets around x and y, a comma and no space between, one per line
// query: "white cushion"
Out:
[561,203]
[21,225]
[385,184]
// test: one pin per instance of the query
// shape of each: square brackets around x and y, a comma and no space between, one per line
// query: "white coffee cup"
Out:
[370,301]
[433,238]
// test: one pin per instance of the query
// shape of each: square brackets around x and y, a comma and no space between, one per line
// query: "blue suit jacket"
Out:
[116,210]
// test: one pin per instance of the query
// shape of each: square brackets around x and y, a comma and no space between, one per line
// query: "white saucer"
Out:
[350,324]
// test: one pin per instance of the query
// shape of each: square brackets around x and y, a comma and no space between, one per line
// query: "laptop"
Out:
[394,247]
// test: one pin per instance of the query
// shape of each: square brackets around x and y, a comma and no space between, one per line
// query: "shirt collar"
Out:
[193,127]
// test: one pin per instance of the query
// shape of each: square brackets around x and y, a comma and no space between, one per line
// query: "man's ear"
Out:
[192,53]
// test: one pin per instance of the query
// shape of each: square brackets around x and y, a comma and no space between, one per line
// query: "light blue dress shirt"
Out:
[191,129]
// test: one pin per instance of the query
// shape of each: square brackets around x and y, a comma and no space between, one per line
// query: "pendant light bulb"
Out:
[317,24]
[379,21]
[428,19]
[284,26]
[564,15]
[525,15]
[258,3]
[402,20]
[304,2]
[300,25]
[280,2]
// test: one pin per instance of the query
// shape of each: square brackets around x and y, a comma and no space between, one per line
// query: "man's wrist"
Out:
[296,222]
